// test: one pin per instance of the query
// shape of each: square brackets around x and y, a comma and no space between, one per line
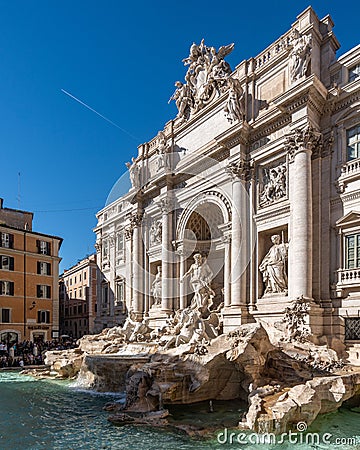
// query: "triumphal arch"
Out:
[246,204]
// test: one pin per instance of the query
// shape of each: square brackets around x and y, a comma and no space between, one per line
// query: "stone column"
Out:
[128,260]
[239,255]
[112,275]
[138,265]
[167,255]
[182,270]
[300,145]
[227,270]
[236,309]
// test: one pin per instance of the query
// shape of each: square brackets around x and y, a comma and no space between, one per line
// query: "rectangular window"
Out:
[6,262]
[6,288]
[104,294]
[353,143]
[354,72]
[43,316]
[44,247]
[7,240]
[80,293]
[70,281]
[43,291]
[5,315]
[75,293]
[75,280]
[120,243]
[352,248]
[43,268]
[84,275]
[120,293]
[80,309]
[80,277]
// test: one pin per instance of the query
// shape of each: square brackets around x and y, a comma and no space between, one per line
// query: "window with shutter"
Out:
[6,288]
[6,262]
[6,240]
[44,247]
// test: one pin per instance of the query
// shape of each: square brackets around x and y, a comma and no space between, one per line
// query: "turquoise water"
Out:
[46,414]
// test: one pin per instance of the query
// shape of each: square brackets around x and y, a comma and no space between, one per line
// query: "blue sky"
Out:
[122,59]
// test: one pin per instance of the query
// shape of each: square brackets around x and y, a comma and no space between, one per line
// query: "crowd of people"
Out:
[29,353]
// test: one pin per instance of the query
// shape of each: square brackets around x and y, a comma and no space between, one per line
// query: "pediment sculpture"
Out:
[208,76]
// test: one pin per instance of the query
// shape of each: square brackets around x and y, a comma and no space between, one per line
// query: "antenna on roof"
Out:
[19,190]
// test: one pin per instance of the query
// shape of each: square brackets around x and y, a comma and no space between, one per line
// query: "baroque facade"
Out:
[249,200]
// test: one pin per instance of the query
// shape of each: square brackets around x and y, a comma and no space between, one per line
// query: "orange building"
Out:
[29,277]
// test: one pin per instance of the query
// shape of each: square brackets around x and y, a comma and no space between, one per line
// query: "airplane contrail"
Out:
[105,118]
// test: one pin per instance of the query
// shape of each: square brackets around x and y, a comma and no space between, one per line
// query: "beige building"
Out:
[29,271]
[78,298]
[259,173]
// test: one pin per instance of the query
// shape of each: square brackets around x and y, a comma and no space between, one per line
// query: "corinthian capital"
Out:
[136,219]
[238,170]
[166,205]
[305,139]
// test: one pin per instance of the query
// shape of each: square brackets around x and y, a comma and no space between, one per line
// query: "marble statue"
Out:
[200,281]
[183,99]
[234,108]
[134,171]
[299,55]
[156,286]
[206,75]
[273,267]
[163,160]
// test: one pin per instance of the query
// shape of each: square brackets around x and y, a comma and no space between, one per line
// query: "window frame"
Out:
[356,72]
[40,265]
[2,316]
[10,265]
[356,143]
[43,313]
[7,288]
[43,291]
[6,240]
[44,247]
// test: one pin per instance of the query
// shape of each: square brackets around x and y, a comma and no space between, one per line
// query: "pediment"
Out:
[351,218]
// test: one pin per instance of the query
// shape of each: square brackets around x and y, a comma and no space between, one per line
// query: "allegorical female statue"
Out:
[273,267]
[156,286]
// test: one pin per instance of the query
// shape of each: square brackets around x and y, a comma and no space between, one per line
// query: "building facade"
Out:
[259,173]
[78,298]
[29,274]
